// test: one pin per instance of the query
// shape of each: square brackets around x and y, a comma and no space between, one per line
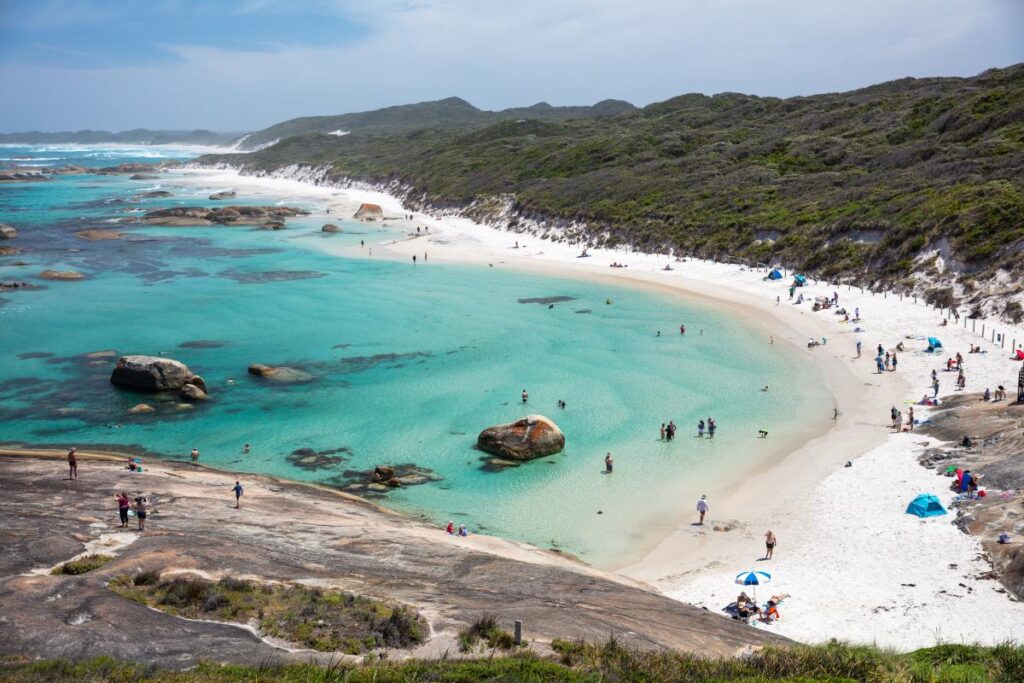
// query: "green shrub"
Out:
[82,565]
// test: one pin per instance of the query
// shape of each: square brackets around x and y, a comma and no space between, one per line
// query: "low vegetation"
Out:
[485,629]
[854,185]
[330,621]
[83,564]
[581,663]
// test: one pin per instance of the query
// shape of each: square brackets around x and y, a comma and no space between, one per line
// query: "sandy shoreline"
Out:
[857,567]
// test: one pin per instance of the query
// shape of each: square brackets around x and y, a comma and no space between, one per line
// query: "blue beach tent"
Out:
[799,280]
[926,505]
[775,275]
[934,343]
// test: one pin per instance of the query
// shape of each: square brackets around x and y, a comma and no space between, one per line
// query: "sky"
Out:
[244,65]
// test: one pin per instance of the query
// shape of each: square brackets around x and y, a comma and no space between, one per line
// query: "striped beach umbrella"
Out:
[753,578]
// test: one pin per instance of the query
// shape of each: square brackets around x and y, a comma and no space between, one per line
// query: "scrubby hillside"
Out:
[916,182]
[449,113]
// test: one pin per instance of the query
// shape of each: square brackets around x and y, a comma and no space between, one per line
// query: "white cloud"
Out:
[516,53]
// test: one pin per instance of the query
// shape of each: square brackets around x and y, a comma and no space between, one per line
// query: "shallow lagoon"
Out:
[410,362]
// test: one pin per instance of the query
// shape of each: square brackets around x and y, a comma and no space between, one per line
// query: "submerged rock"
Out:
[280,373]
[141,408]
[226,194]
[150,373]
[369,212]
[533,436]
[97,235]
[7,232]
[61,275]
[143,176]
[153,194]
[331,227]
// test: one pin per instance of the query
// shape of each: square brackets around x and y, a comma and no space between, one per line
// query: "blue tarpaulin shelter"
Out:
[926,505]
[799,280]
[775,275]
[934,343]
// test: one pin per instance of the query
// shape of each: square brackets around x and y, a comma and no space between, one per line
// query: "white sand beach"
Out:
[855,565]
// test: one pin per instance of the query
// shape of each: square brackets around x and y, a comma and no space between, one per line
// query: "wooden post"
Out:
[517,632]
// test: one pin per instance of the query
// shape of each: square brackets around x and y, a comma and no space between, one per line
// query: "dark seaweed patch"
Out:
[584,310]
[28,355]
[202,344]
[546,300]
[355,364]
[269,276]
[309,459]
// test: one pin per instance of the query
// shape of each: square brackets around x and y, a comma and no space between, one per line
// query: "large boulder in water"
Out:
[7,232]
[369,212]
[331,227]
[533,436]
[150,373]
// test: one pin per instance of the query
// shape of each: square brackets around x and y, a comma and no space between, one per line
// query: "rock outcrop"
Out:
[369,212]
[280,373]
[61,275]
[7,232]
[331,227]
[189,216]
[533,436]
[129,168]
[152,194]
[190,392]
[141,408]
[150,373]
[226,194]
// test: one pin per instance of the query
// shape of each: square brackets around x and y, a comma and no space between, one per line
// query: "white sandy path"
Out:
[846,545]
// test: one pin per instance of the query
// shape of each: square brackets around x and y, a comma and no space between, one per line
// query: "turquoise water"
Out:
[410,363]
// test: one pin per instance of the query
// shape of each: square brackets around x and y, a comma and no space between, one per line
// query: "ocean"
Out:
[408,363]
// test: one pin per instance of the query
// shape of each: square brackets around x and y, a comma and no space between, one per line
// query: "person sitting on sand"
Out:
[451,527]
[463,531]
[771,613]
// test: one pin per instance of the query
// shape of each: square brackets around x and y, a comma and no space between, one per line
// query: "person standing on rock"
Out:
[702,508]
[140,512]
[238,494]
[72,465]
[608,463]
[123,503]
[526,396]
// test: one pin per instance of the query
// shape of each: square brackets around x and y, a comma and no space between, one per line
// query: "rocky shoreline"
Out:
[995,455]
[286,531]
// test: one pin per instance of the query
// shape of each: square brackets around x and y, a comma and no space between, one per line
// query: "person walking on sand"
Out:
[526,396]
[238,493]
[910,418]
[140,512]
[72,465]
[769,544]
[858,348]
[608,463]
[123,503]
[935,387]
[702,508]
[894,361]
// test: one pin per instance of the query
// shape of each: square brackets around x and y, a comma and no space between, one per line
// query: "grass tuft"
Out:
[82,565]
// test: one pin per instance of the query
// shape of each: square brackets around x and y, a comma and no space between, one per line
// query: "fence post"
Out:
[983,330]
[517,630]
[974,323]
